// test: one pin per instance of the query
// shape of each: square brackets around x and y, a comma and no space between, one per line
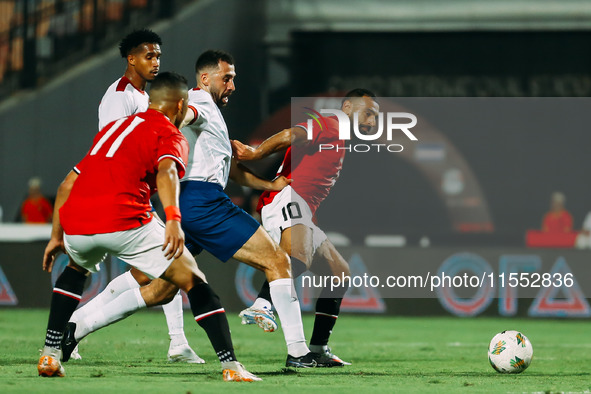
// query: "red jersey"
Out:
[313,172]
[118,175]
[36,210]
[558,222]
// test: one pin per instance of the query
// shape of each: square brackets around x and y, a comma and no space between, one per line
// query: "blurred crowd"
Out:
[55,27]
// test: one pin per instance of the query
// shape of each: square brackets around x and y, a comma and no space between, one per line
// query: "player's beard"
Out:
[364,129]
[219,100]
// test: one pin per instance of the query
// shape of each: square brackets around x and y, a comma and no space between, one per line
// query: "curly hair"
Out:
[137,38]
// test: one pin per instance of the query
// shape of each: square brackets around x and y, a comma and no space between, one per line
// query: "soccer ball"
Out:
[510,352]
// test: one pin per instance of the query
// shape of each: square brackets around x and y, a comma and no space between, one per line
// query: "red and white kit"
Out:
[313,173]
[121,99]
[116,179]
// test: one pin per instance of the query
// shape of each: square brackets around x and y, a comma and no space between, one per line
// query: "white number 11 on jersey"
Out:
[117,143]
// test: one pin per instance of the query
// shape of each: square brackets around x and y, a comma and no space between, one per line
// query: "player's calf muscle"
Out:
[278,266]
[338,265]
[297,242]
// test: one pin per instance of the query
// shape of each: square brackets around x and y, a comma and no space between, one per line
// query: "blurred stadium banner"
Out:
[469,281]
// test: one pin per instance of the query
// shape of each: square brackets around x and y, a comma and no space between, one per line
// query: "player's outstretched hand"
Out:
[174,240]
[280,182]
[243,152]
[51,250]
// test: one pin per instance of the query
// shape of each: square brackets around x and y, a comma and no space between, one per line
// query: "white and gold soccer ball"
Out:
[510,352]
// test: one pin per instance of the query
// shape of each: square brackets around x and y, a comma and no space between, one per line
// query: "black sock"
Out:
[298,267]
[66,297]
[328,307]
[210,315]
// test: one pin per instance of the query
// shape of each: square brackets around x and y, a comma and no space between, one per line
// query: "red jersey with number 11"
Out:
[118,175]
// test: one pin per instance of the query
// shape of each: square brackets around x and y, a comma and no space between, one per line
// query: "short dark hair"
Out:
[137,38]
[211,58]
[169,80]
[359,92]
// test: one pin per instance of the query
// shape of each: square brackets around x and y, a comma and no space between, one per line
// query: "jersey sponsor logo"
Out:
[318,118]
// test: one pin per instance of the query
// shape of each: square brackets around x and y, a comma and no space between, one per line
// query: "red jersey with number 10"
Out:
[313,171]
[118,175]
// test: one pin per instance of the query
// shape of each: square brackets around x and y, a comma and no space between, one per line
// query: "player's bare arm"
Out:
[56,243]
[167,181]
[276,143]
[243,176]
[189,118]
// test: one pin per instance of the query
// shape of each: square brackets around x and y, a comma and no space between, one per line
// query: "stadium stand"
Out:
[38,38]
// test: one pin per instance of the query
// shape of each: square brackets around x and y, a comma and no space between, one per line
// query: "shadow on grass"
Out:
[350,373]
[101,368]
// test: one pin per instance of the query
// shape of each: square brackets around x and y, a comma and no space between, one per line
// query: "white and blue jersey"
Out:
[209,218]
[210,153]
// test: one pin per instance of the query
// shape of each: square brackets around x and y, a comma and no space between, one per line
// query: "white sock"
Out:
[174,319]
[121,307]
[117,286]
[287,305]
[261,303]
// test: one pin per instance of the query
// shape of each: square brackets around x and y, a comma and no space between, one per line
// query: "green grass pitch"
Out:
[389,354]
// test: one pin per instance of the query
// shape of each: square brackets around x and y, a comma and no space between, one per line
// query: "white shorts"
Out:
[139,247]
[286,210]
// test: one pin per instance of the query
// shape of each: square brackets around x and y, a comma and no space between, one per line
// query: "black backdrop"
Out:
[517,172]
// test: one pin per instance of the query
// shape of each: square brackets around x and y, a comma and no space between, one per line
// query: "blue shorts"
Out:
[212,222]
